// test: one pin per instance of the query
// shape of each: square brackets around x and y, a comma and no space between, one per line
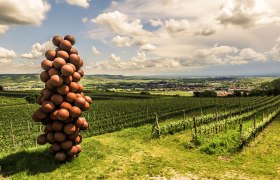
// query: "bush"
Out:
[206,93]
[144,93]
[267,89]
[31,99]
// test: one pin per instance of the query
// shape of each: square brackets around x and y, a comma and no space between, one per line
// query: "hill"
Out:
[131,154]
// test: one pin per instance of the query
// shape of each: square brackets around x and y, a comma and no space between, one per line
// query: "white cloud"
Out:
[38,50]
[249,54]
[165,9]
[80,3]
[119,23]
[222,55]
[274,53]
[139,63]
[205,29]
[177,27]
[180,33]
[7,54]
[3,29]
[156,22]
[95,51]
[121,41]
[27,12]
[114,58]
[147,47]
[246,13]
[217,55]
[84,19]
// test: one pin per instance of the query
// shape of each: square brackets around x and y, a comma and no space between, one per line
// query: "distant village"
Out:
[221,87]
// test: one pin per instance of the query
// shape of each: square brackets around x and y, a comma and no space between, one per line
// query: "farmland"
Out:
[168,156]
[144,130]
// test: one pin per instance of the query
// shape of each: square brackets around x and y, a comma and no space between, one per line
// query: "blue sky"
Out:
[131,37]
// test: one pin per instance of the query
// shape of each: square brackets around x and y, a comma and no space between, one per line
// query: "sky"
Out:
[133,37]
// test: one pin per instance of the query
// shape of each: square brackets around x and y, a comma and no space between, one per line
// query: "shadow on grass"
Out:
[30,162]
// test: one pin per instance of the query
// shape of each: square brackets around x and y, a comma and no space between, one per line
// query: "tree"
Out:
[31,99]
[276,86]
[237,93]
[268,88]
[206,93]
[1,88]
[145,93]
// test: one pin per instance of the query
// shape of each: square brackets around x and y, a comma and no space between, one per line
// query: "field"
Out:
[162,134]
[131,154]
[156,136]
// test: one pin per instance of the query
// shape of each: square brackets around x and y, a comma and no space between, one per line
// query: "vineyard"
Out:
[185,129]
[211,116]
[228,130]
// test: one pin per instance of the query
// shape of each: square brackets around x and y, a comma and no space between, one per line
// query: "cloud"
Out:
[206,29]
[274,53]
[3,29]
[156,22]
[246,14]
[179,34]
[177,27]
[38,50]
[165,9]
[147,47]
[119,23]
[84,19]
[249,54]
[95,51]
[116,23]
[27,12]
[7,54]
[122,41]
[222,55]
[217,55]
[80,3]
[19,66]
[139,63]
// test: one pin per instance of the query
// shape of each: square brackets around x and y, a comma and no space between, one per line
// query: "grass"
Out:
[131,154]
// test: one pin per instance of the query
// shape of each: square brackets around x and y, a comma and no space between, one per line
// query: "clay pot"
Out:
[67,70]
[42,139]
[44,76]
[70,97]
[59,136]
[59,62]
[48,107]
[66,145]
[65,105]
[80,102]
[56,81]
[70,38]
[62,54]
[63,90]
[46,64]
[75,111]
[57,99]
[62,114]
[69,128]
[56,40]
[60,156]
[65,45]
[57,126]
[50,54]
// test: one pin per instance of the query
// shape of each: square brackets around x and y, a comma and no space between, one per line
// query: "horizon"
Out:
[170,76]
[147,38]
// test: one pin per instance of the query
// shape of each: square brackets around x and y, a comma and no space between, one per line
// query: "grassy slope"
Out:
[131,154]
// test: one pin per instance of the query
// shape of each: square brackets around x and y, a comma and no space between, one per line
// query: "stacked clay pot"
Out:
[62,100]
